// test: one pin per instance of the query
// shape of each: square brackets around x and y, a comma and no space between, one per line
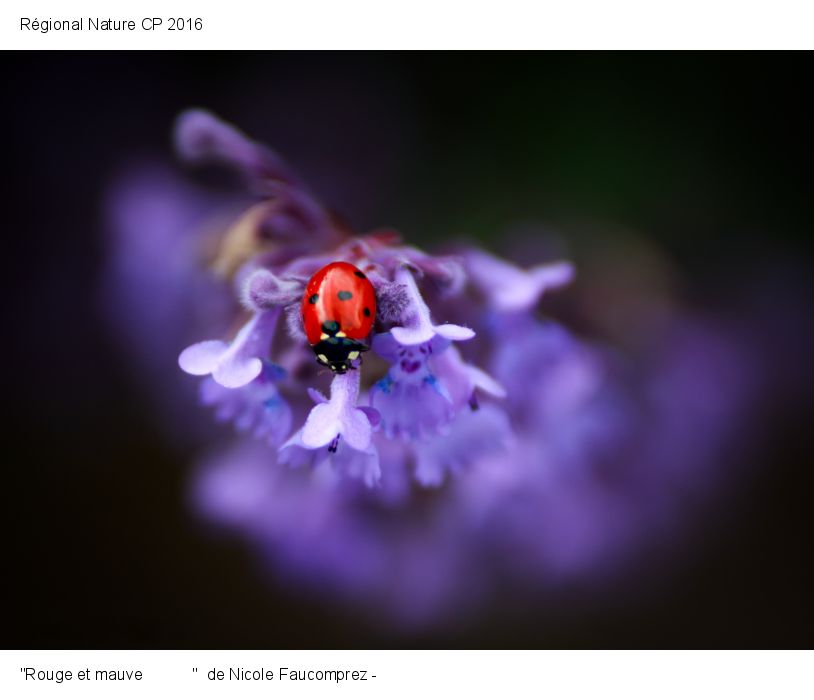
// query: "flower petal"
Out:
[373,416]
[386,346]
[486,383]
[339,417]
[240,362]
[264,290]
[474,435]
[416,326]
[316,395]
[321,426]
[202,358]
[255,408]
[412,410]
[453,332]
[201,137]
[236,371]
[413,336]
[356,430]
[509,288]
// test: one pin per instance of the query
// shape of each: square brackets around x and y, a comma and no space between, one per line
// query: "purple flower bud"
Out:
[201,137]
[264,291]
[392,299]
[508,288]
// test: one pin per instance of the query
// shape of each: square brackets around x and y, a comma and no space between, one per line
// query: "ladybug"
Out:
[338,310]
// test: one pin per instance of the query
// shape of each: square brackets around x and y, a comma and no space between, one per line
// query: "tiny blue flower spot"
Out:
[273,372]
[385,384]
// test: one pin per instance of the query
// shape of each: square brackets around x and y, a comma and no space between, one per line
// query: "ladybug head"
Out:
[337,367]
[338,353]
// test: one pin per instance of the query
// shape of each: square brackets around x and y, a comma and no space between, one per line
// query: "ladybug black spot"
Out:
[361,275]
[344,296]
[330,327]
[313,299]
[366,311]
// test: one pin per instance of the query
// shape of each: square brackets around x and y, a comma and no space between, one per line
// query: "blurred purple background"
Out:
[676,183]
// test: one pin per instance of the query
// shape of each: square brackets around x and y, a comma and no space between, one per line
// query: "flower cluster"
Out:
[427,386]
[477,446]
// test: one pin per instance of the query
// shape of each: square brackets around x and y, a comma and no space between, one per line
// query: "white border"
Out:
[515,675]
[429,24]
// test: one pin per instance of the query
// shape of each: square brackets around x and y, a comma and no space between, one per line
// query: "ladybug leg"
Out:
[333,444]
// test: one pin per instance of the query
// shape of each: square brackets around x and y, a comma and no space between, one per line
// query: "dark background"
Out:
[707,154]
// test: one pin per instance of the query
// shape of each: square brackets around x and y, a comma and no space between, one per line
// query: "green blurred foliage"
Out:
[697,150]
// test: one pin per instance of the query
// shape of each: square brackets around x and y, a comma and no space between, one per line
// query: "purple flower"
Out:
[425,387]
[417,326]
[338,417]
[343,428]
[201,137]
[256,408]
[410,399]
[474,436]
[237,363]
[507,288]
[461,380]
[438,475]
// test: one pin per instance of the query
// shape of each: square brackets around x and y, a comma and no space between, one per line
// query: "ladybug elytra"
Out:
[338,310]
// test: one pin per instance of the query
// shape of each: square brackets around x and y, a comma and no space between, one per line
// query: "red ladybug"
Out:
[338,310]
